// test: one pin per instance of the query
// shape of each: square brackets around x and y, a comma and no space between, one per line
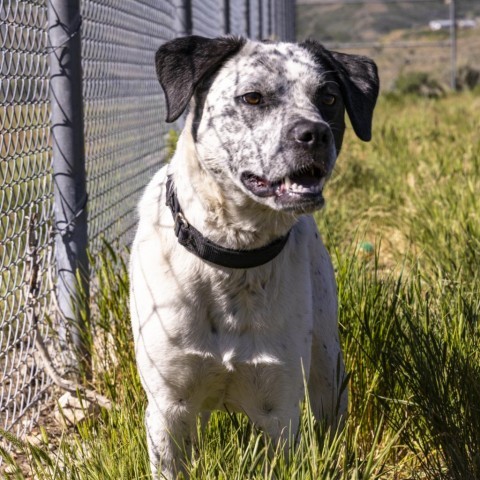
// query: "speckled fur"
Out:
[209,337]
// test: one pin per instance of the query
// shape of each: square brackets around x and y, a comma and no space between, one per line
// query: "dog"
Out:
[233,295]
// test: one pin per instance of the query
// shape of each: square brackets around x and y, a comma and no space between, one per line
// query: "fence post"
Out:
[261,35]
[188,16]
[248,29]
[269,20]
[453,41]
[226,16]
[69,178]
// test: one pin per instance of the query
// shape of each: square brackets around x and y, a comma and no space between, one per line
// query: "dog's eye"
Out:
[328,99]
[252,98]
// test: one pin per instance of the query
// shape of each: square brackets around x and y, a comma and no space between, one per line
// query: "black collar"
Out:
[202,247]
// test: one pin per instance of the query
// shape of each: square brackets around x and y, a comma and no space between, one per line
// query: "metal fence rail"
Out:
[124,140]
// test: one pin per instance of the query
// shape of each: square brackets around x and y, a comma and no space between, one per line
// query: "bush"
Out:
[468,78]
[418,83]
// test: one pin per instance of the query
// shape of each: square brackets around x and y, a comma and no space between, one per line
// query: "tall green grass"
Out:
[409,316]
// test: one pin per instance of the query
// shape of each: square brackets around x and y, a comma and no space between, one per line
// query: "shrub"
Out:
[468,78]
[418,83]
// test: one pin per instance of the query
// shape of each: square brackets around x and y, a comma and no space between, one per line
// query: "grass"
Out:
[409,315]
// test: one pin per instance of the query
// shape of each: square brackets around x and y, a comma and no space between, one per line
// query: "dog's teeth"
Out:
[288,185]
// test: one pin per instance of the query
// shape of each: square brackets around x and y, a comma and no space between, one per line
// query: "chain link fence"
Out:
[26,193]
[123,108]
[125,140]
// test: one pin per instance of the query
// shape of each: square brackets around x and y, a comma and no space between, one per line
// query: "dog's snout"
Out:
[311,135]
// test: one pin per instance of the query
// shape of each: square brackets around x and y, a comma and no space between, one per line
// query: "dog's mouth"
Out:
[305,184]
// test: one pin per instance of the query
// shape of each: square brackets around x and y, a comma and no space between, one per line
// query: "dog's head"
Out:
[267,118]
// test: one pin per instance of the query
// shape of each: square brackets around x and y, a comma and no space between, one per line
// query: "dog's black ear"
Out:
[359,77]
[358,81]
[182,63]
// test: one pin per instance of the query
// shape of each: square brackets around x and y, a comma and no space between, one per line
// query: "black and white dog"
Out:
[233,296]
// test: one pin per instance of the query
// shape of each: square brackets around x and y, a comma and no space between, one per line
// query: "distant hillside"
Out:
[363,21]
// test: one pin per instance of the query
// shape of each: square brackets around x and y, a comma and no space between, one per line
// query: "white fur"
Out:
[209,337]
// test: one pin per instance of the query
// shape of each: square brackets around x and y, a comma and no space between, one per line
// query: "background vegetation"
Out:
[402,225]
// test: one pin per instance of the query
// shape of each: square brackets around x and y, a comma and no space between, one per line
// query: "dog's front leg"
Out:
[270,396]
[169,439]
[282,430]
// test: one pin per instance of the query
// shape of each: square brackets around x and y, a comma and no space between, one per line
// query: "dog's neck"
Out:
[222,212]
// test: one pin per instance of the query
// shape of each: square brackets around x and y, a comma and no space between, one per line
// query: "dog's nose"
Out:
[311,135]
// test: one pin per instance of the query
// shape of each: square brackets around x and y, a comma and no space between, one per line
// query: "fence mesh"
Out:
[123,108]
[125,143]
[25,209]
[208,17]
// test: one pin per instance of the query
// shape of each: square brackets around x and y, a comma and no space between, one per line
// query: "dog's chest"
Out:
[255,317]
[240,301]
